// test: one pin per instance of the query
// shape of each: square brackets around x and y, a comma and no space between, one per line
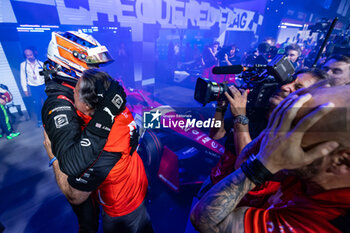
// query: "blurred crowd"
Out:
[300,52]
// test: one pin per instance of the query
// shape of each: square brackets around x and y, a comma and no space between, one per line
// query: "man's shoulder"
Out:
[58,100]
[59,111]
[58,103]
[54,89]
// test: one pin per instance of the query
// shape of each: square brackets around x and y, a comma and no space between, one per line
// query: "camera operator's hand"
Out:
[281,143]
[238,101]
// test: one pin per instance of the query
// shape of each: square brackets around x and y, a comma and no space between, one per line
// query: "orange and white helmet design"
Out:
[74,52]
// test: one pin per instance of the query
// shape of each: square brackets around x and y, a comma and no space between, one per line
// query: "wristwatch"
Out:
[241,119]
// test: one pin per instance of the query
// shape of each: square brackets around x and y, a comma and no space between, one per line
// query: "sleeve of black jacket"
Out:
[93,177]
[75,150]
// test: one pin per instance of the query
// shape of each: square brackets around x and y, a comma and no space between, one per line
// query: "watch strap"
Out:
[241,119]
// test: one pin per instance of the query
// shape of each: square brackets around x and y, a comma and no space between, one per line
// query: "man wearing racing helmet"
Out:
[120,182]
[69,54]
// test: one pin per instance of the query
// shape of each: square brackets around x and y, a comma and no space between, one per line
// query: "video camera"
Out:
[263,80]
[267,50]
[320,27]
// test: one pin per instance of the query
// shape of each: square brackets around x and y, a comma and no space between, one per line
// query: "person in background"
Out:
[270,40]
[123,62]
[259,56]
[196,52]
[338,68]
[209,55]
[293,53]
[230,56]
[188,53]
[285,43]
[209,60]
[5,122]
[174,55]
[32,82]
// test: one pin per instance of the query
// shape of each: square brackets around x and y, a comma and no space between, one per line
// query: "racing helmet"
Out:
[5,94]
[70,53]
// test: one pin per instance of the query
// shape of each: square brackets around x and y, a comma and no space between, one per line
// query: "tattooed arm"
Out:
[251,148]
[280,148]
[216,211]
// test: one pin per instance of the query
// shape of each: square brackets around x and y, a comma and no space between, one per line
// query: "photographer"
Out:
[236,127]
[229,57]
[314,200]
[259,56]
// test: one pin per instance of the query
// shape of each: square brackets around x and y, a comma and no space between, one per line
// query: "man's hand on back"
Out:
[111,104]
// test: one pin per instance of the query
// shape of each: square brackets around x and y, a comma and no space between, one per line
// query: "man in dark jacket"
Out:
[77,151]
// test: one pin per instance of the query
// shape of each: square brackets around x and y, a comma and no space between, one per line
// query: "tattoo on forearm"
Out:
[220,201]
[251,148]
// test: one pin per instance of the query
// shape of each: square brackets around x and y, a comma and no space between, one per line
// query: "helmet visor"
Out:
[98,55]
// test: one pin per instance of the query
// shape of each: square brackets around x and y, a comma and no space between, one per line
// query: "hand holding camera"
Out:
[237,100]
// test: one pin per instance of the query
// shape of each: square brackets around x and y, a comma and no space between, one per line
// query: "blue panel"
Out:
[46,2]
[76,4]
[32,13]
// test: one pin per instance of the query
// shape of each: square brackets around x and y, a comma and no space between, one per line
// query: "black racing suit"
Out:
[78,152]
[75,150]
